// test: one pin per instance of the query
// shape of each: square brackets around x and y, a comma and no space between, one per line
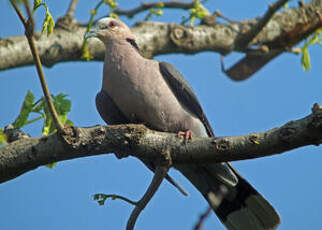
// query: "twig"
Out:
[22,18]
[100,197]
[219,14]
[251,34]
[202,218]
[215,201]
[71,9]
[160,173]
[84,48]
[29,31]
[148,5]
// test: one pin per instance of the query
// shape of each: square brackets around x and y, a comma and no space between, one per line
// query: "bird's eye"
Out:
[112,24]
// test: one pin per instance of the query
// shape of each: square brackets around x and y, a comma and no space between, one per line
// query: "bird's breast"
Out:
[141,93]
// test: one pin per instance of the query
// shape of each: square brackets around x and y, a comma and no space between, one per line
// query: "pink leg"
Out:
[187,135]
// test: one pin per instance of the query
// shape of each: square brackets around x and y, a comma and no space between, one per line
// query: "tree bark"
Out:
[27,154]
[156,38]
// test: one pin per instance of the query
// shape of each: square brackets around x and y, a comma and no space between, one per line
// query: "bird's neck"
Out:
[120,58]
[120,51]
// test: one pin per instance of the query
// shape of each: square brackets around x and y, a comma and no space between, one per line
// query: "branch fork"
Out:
[163,165]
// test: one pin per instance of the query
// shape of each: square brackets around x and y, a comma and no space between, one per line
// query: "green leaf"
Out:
[37,3]
[85,52]
[192,20]
[305,60]
[44,27]
[101,202]
[49,23]
[113,15]
[197,11]
[315,38]
[69,122]
[160,5]
[33,120]
[111,3]
[51,165]
[25,110]
[3,137]
[46,130]
[158,12]
[38,105]
[62,106]
[100,198]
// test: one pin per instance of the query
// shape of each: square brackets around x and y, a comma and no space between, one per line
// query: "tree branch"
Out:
[71,9]
[252,33]
[202,218]
[19,13]
[256,58]
[138,141]
[101,198]
[160,173]
[148,5]
[156,38]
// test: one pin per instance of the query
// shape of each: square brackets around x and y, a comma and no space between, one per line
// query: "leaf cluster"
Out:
[41,110]
[197,11]
[40,107]
[315,38]
[155,11]
[48,23]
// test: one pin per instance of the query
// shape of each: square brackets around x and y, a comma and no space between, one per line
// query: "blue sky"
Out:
[61,198]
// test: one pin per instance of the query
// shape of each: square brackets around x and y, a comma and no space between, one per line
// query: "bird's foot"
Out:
[187,135]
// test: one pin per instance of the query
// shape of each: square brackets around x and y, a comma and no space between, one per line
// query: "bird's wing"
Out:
[242,207]
[109,112]
[184,93]
[113,116]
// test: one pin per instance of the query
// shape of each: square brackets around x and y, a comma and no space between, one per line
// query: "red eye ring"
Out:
[112,24]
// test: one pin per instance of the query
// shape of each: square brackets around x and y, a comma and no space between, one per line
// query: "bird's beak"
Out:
[90,34]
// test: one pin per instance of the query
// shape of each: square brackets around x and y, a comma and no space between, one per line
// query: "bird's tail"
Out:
[237,204]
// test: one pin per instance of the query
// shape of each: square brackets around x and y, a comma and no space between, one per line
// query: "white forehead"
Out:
[105,20]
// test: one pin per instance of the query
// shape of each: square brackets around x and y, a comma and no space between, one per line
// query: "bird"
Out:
[145,91]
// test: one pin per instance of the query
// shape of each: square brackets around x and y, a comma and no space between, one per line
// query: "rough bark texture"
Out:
[156,38]
[27,154]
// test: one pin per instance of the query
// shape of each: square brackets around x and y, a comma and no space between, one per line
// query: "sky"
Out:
[62,198]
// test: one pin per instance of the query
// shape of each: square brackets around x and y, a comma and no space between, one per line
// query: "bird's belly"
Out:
[159,110]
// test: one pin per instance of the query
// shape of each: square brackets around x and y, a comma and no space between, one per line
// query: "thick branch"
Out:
[136,140]
[156,38]
[252,33]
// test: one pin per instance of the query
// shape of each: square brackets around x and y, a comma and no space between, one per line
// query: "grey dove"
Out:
[140,90]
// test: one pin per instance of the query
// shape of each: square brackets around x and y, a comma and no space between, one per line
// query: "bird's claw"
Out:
[187,135]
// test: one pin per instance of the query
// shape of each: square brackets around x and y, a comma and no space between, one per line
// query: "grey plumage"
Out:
[139,90]
[113,116]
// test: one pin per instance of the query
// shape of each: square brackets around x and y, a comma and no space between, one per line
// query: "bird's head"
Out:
[109,30]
